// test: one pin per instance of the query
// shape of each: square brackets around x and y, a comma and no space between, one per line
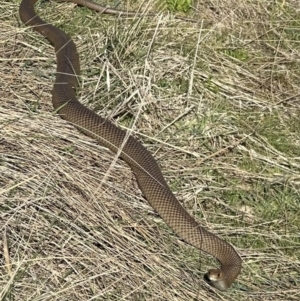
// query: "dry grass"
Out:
[216,102]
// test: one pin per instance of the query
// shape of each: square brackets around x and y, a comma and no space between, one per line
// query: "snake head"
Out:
[217,279]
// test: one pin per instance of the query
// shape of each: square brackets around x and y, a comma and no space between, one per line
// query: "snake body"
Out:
[140,160]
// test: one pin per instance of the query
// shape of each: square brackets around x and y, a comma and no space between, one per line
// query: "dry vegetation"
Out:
[216,102]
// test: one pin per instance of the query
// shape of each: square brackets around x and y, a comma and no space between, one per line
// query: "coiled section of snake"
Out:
[144,166]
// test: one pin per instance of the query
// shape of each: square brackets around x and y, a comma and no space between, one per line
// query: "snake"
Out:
[142,163]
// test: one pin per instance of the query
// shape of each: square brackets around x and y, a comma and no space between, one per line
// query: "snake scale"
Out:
[140,160]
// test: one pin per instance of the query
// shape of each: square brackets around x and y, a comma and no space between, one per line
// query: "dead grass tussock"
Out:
[216,102]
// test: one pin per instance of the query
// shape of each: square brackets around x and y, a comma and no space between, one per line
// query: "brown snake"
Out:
[142,163]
